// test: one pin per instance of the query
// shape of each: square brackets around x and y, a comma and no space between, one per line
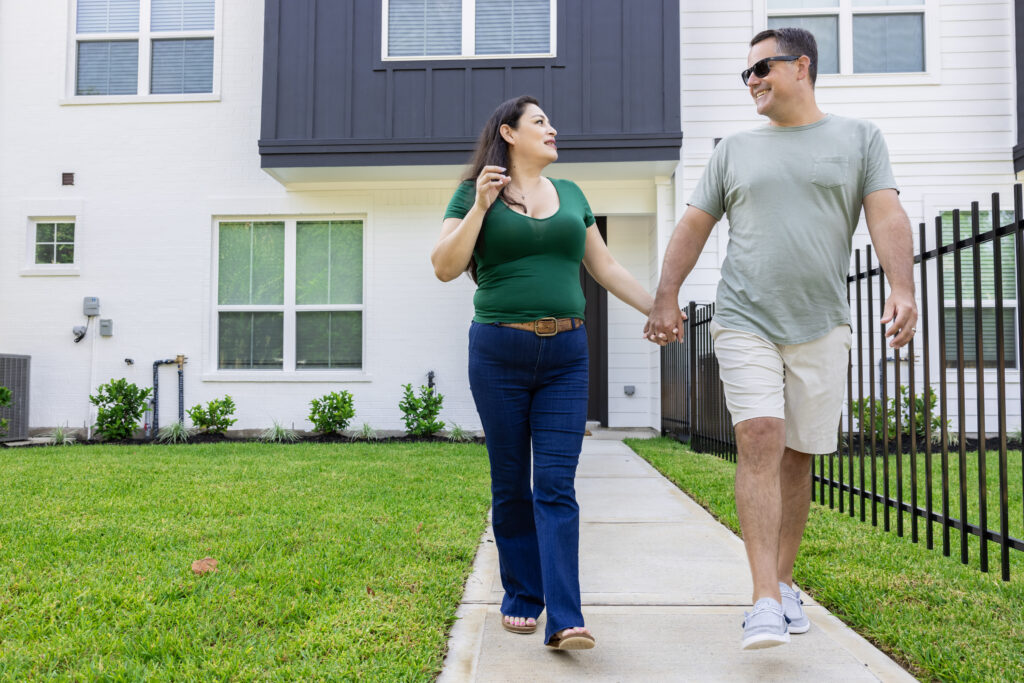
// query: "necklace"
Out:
[525,195]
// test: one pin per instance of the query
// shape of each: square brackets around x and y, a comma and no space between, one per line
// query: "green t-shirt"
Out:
[528,268]
[793,197]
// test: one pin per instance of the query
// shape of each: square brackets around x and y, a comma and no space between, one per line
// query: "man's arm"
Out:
[894,243]
[665,323]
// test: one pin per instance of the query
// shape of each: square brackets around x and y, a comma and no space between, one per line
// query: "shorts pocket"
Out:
[829,172]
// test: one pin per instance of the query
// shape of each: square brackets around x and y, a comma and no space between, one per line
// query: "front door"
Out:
[597,338]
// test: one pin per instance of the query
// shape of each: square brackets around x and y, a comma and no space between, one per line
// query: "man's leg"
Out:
[760,443]
[795,485]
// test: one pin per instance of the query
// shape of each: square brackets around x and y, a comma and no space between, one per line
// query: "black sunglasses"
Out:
[763,66]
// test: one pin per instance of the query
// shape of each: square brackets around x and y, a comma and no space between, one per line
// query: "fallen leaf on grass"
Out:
[207,565]
[419,527]
[370,591]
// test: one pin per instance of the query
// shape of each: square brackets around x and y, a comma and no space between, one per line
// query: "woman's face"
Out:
[534,138]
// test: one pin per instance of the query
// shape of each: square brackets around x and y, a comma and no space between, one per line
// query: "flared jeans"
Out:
[531,394]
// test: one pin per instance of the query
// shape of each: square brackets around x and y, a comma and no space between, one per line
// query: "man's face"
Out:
[778,86]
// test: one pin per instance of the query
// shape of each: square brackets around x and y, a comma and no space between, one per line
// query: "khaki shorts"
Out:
[803,384]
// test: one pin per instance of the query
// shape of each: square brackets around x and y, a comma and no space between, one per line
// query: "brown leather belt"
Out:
[546,327]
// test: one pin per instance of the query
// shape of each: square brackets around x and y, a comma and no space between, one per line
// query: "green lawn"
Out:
[336,561]
[939,618]
[1015,513]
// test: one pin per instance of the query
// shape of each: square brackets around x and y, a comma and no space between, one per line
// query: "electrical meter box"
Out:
[91,305]
[106,327]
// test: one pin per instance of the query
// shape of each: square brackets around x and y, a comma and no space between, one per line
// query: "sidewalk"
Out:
[664,590]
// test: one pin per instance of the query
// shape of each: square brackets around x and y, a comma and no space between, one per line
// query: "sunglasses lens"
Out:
[762,68]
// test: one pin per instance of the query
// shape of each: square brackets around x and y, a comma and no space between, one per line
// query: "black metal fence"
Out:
[922,445]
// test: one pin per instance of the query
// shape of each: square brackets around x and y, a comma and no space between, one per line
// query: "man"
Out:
[793,192]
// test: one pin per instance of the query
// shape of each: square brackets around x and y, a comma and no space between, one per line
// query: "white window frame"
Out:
[846,11]
[31,268]
[468,38]
[145,37]
[288,372]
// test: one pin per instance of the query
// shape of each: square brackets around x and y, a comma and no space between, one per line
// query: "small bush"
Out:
[279,434]
[458,435]
[176,432]
[60,437]
[367,432]
[215,418]
[119,406]
[420,413]
[5,400]
[332,412]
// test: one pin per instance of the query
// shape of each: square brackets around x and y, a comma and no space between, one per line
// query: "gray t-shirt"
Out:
[793,197]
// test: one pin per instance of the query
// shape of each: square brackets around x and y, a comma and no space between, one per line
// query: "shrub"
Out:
[458,435]
[924,404]
[176,432]
[5,400]
[60,437]
[420,413]
[279,434]
[216,417]
[119,406]
[367,432]
[332,412]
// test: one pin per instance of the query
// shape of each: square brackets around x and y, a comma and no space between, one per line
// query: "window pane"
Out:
[108,68]
[801,4]
[888,43]
[44,232]
[329,339]
[418,28]
[987,259]
[826,34]
[65,253]
[251,263]
[329,262]
[182,66]
[65,232]
[182,15]
[108,16]
[251,341]
[513,26]
[989,351]
[44,253]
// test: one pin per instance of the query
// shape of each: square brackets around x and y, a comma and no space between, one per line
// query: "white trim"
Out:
[468,17]
[144,37]
[289,371]
[56,270]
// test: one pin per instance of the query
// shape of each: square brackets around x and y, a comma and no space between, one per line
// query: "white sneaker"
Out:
[765,625]
[792,607]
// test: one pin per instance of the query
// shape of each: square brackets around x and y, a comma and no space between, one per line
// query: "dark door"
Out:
[597,338]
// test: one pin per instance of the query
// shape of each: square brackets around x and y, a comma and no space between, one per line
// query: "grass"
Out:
[336,561]
[1015,496]
[940,619]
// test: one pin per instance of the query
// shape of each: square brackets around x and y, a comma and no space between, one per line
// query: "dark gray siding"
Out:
[612,91]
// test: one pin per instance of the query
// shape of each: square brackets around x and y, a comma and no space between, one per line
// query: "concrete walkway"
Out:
[664,590]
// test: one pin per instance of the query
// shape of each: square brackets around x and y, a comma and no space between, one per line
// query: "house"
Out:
[257,185]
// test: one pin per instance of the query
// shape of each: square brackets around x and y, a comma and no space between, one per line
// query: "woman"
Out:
[522,236]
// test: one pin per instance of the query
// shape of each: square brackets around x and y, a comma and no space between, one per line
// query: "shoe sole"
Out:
[763,640]
[800,629]
[572,643]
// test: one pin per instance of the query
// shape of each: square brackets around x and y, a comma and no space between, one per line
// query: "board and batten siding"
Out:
[950,140]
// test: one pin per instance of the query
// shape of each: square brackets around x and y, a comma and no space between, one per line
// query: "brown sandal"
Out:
[572,641]
[512,628]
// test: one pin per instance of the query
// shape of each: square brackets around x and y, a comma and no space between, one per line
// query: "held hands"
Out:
[901,311]
[665,324]
[489,184]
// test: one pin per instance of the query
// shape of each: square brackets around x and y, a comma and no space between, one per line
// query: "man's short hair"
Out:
[793,41]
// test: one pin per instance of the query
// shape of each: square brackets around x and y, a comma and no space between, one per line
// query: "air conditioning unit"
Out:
[14,374]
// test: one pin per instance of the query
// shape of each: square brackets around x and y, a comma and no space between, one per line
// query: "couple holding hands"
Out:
[793,191]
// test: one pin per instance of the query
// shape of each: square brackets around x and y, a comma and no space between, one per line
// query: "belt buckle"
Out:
[537,327]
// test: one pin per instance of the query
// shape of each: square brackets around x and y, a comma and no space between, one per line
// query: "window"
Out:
[132,47]
[468,28]
[55,243]
[988,294]
[859,36]
[299,313]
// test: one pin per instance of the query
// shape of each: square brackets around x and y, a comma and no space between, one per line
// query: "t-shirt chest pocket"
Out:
[829,171]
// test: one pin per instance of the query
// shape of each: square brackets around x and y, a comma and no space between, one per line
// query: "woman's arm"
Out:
[454,247]
[610,274]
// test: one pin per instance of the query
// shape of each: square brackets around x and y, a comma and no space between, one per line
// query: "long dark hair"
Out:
[492,150]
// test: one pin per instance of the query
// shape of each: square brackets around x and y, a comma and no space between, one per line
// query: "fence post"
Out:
[691,348]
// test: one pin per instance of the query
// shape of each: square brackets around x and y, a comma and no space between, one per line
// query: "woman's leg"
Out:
[558,418]
[499,383]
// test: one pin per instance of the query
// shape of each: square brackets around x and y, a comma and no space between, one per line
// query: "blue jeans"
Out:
[532,390]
